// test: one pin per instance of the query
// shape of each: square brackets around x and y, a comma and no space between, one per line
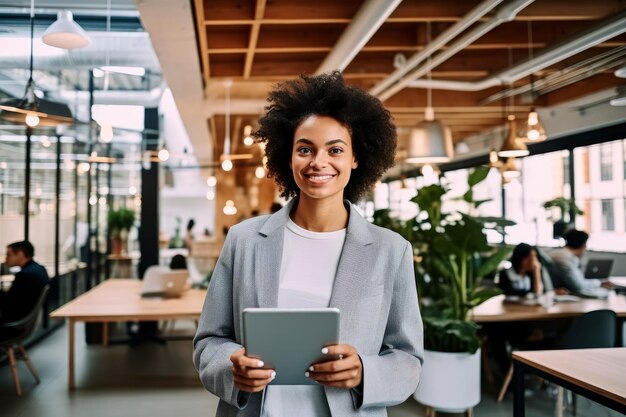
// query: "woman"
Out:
[524,276]
[327,144]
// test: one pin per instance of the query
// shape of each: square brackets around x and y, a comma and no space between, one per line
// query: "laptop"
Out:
[164,283]
[598,268]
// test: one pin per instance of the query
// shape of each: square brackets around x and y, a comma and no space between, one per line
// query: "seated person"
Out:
[567,271]
[27,285]
[178,262]
[527,274]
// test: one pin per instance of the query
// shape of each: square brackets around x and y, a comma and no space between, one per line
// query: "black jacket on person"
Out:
[24,292]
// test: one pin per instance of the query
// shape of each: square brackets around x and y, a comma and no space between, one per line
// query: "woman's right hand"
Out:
[248,373]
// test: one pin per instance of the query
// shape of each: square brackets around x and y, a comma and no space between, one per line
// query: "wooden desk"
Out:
[597,374]
[118,300]
[495,310]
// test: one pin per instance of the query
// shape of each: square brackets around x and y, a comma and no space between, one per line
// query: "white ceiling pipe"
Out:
[364,24]
[453,31]
[150,98]
[504,14]
[605,30]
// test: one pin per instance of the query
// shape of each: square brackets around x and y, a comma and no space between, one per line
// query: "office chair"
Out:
[14,333]
[595,329]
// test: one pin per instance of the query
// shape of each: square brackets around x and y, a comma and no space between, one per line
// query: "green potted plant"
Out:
[120,221]
[565,207]
[452,258]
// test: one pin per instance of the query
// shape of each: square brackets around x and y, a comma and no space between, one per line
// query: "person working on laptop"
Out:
[327,143]
[567,271]
[27,285]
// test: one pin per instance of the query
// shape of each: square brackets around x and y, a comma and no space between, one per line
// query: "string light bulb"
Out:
[247,138]
[32,120]
[163,155]
[227,165]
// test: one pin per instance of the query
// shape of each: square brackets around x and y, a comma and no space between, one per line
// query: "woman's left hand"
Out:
[345,372]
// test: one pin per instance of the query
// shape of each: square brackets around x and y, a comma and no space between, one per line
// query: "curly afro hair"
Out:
[374,137]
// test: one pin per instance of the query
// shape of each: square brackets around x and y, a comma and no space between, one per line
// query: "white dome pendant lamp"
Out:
[65,33]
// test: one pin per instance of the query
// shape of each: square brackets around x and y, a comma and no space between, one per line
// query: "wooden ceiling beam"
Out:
[254,37]
[202,40]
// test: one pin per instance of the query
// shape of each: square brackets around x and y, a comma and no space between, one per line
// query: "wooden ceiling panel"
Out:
[227,65]
[448,10]
[287,65]
[227,37]
[216,10]
[300,36]
[319,10]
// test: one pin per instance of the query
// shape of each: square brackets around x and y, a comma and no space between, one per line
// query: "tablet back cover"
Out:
[290,340]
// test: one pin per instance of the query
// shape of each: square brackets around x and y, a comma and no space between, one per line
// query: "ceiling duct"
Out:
[607,29]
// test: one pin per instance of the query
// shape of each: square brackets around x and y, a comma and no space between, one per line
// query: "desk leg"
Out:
[105,334]
[518,390]
[71,355]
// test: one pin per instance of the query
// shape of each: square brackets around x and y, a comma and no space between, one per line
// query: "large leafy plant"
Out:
[452,257]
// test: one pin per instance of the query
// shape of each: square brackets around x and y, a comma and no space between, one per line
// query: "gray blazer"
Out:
[374,288]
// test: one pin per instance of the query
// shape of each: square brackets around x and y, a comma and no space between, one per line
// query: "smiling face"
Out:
[322,158]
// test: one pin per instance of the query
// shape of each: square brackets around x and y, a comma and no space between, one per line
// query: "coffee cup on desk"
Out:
[547,299]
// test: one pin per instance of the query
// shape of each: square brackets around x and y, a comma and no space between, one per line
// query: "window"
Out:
[608,217]
[543,177]
[606,162]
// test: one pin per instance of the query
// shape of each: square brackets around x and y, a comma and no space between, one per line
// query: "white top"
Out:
[307,274]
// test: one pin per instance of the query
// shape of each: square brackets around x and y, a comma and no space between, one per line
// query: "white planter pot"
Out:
[450,382]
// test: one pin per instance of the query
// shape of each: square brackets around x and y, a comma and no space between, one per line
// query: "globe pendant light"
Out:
[65,33]
[30,109]
[431,141]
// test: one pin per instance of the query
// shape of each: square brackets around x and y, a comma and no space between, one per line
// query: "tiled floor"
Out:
[155,380]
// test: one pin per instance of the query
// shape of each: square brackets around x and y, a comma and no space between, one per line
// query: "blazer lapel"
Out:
[268,255]
[354,264]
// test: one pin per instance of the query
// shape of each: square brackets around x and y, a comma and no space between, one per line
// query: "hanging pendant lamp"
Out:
[30,109]
[512,146]
[509,170]
[534,130]
[431,141]
[65,33]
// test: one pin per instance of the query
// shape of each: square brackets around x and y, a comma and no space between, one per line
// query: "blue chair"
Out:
[13,334]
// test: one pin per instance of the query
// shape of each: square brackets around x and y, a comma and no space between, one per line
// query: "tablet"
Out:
[290,340]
